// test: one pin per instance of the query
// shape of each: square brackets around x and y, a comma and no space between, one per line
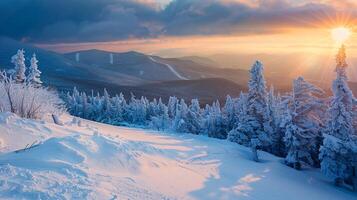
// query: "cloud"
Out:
[68,20]
[234,17]
[48,21]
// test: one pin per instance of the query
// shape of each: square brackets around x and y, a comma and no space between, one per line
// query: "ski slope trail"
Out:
[171,68]
[90,160]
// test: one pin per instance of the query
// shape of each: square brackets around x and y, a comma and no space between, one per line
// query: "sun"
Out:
[340,34]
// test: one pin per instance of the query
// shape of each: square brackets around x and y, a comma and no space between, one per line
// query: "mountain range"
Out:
[140,74]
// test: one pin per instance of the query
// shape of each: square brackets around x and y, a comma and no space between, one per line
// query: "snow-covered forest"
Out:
[304,126]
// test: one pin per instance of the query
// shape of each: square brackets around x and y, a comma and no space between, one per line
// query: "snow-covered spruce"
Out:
[20,68]
[339,151]
[35,73]
[275,115]
[302,130]
[214,122]
[257,127]
[241,112]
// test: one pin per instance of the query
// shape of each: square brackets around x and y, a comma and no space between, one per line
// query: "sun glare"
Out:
[340,34]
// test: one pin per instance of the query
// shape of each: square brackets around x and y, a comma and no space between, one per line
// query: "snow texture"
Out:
[98,161]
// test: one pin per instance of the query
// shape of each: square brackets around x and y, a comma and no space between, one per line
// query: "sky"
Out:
[180,27]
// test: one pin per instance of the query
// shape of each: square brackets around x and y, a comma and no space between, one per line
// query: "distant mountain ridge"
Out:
[131,64]
[140,74]
[129,72]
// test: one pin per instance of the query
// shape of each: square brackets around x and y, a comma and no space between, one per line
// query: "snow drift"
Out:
[97,161]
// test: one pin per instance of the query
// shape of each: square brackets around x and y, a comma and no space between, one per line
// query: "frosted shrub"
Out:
[24,95]
[27,100]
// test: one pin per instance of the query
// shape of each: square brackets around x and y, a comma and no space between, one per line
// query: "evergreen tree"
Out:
[117,110]
[229,112]
[303,125]
[85,106]
[172,104]
[215,126]
[256,128]
[238,133]
[339,150]
[161,108]
[162,121]
[180,123]
[153,109]
[35,73]
[106,101]
[20,68]
[274,115]
[106,108]
[193,117]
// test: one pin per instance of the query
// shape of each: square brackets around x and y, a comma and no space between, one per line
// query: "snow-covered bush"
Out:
[27,99]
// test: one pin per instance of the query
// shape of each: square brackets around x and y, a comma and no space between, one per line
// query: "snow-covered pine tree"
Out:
[106,101]
[257,128]
[35,73]
[274,116]
[20,68]
[106,112]
[153,109]
[161,108]
[215,126]
[85,105]
[193,117]
[339,151]
[238,133]
[118,108]
[144,102]
[205,119]
[139,110]
[229,113]
[179,122]
[73,101]
[172,107]
[162,121]
[96,107]
[303,124]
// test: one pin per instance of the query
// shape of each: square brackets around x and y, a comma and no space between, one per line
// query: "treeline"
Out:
[303,126]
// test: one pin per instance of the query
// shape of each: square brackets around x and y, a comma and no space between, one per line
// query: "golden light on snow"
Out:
[340,34]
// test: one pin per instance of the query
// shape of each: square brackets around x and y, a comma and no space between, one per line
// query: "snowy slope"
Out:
[97,161]
[170,68]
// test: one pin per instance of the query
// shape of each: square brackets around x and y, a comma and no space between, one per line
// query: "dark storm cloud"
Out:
[73,20]
[53,21]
